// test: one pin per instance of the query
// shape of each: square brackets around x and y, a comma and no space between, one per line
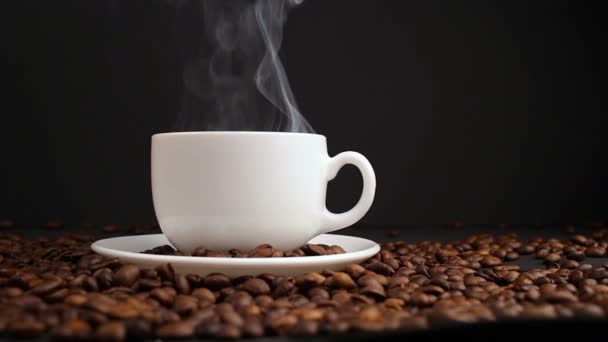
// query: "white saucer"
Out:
[128,248]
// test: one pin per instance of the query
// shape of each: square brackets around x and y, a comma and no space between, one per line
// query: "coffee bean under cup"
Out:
[59,287]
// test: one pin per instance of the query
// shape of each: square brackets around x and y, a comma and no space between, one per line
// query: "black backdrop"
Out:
[483,111]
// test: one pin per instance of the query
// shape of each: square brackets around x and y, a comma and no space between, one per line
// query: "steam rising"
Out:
[233,75]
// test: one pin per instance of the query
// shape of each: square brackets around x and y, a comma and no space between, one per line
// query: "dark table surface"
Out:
[442,233]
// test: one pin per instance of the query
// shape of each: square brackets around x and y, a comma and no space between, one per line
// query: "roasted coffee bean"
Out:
[126,275]
[161,250]
[235,253]
[179,329]
[24,280]
[542,253]
[579,239]
[305,328]
[47,286]
[256,286]
[598,274]
[444,284]
[595,252]
[25,328]
[100,302]
[394,263]
[499,252]
[104,277]
[111,331]
[57,295]
[422,299]
[233,318]
[138,327]
[106,263]
[226,292]
[284,288]
[281,322]
[10,292]
[432,289]
[122,311]
[374,279]
[570,264]
[318,293]
[253,327]
[199,251]
[540,311]
[558,296]
[277,254]
[164,295]
[309,314]
[577,255]
[261,251]
[526,249]
[369,319]
[341,297]
[381,268]
[542,280]
[587,310]
[166,316]
[148,273]
[240,300]
[553,258]
[72,329]
[472,280]
[377,292]
[422,269]
[512,256]
[217,329]
[204,295]
[165,272]
[216,281]
[394,303]
[148,284]
[194,280]
[487,274]
[309,280]
[295,253]
[312,249]
[337,249]
[185,305]
[75,299]
[181,284]
[490,261]
[508,277]
[340,280]
[395,281]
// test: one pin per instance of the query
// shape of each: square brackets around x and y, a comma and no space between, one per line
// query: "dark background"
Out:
[481,111]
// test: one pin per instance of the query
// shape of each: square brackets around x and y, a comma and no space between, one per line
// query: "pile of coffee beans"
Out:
[59,287]
[261,251]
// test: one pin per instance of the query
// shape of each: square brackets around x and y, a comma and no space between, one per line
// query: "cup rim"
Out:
[245,133]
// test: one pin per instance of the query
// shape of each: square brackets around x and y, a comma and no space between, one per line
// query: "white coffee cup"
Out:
[225,190]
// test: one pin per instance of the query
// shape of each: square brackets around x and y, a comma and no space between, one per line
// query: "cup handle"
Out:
[333,221]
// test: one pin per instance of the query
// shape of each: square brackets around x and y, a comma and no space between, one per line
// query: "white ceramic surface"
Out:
[238,190]
[128,248]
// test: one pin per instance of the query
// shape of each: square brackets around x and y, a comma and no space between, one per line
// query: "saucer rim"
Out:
[302,260]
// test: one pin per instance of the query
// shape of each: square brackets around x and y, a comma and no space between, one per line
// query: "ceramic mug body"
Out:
[227,190]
